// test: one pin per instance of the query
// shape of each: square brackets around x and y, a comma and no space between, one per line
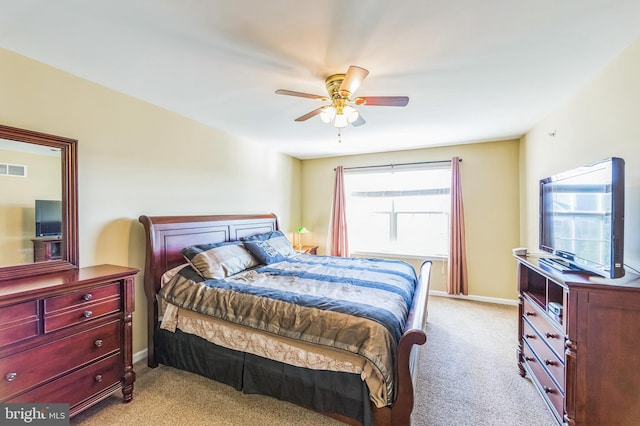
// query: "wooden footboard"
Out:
[166,236]
[399,414]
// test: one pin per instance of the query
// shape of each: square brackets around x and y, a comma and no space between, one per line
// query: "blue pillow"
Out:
[264,252]
[263,237]
[276,239]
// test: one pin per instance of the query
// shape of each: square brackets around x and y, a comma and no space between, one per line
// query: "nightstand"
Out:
[307,249]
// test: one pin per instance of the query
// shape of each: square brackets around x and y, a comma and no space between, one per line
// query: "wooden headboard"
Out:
[166,236]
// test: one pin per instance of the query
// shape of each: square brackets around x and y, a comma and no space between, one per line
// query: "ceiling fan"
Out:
[341,111]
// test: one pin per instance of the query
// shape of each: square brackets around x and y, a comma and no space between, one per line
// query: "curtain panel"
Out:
[457,281]
[338,242]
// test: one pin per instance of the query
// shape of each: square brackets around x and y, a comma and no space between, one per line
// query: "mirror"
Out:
[38,203]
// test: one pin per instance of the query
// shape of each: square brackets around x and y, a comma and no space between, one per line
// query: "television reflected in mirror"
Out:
[48,218]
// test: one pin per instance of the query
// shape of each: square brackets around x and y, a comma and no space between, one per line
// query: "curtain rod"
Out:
[400,164]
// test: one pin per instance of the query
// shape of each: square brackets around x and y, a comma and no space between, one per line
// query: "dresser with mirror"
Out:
[65,330]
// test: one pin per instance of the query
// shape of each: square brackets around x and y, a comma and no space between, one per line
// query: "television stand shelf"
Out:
[560,265]
[47,248]
[577,341]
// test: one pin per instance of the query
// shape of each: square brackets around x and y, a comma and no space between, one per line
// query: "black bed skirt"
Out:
[324,391]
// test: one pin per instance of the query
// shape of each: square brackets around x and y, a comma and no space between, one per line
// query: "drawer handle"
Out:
[11,377]
[549,362]
[98,378]
[529,336]
[87,296]
[548,390]
[98,343]
[87,314]
[530,314]
[529,358]
[551,335]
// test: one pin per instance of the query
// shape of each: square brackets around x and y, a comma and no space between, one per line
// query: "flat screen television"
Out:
[48,218]
[582,219]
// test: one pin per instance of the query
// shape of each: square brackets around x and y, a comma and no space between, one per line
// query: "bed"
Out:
[356,388]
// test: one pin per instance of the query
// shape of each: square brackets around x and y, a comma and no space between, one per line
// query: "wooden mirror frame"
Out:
[68,156]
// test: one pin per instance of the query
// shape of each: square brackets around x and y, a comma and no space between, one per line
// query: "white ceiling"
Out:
[474,70]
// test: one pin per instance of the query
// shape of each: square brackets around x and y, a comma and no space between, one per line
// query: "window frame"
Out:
[394,214]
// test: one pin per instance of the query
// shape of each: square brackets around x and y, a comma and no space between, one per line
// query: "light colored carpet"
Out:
[468,376]
[469,373]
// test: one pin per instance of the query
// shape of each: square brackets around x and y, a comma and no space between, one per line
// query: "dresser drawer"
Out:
[79,315]
[554,396]
[551,361]
[79,385]
[549,333]
[78,299]
[18,322]
[24,370]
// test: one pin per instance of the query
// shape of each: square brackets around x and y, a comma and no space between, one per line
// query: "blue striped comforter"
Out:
[357,305]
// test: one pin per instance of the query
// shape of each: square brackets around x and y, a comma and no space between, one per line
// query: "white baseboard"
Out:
[497,300]
[139,356]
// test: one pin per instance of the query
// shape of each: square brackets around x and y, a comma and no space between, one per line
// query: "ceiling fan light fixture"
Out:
[341,121]
[340,116]
[327,114]
[351,113]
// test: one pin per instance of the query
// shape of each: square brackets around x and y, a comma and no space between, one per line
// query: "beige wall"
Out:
[600,120]
[135,158]
[489,174]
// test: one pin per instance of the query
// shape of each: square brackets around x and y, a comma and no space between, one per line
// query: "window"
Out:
[399,211]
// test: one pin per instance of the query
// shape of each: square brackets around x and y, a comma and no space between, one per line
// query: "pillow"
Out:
[219,260]
[276,239]
[264,251]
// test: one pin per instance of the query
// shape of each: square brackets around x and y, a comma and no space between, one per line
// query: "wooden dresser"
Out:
[585,360]
[65,337]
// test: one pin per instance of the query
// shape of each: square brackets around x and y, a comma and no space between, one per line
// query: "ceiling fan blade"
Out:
[310,114]
[382,100]
[301,95]
[352,80]
[359,121]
